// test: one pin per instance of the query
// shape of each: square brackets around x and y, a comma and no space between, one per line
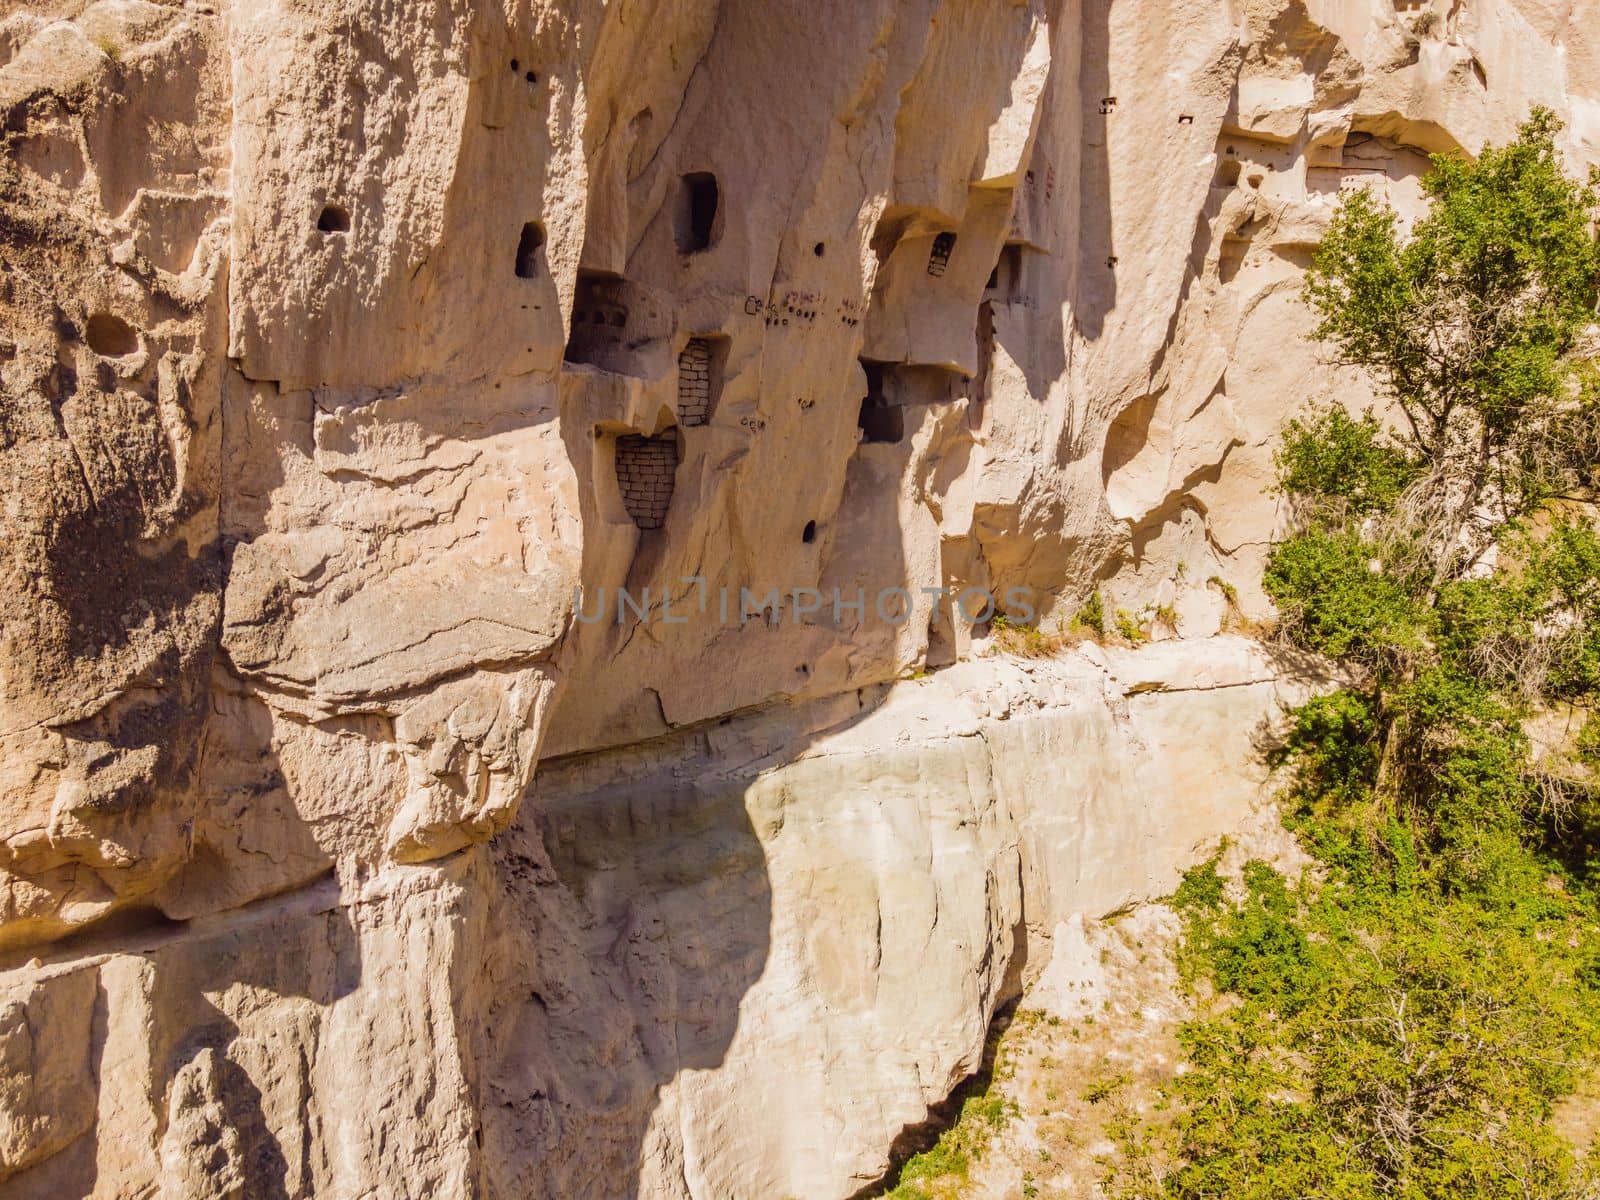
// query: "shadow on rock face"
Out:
[200,1073]
[632,919]
[109,597]
[218,1130]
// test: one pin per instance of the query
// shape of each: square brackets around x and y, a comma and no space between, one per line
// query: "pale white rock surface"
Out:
[341,350]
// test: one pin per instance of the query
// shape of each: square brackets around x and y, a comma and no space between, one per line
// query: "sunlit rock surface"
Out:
[361,363]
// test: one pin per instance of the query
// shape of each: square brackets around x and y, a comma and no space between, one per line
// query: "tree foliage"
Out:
[1450,555]
[1403,1021]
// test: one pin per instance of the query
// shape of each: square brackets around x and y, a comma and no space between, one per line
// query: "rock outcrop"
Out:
[505,506]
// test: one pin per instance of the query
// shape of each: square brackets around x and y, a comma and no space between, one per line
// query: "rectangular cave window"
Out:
[646,469]
[599,319]
[697,211]
[879,420]
[1005,280]
[939,259]
[528,247]
[699,379]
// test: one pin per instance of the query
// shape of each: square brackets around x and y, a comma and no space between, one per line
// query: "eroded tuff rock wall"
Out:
[341,345]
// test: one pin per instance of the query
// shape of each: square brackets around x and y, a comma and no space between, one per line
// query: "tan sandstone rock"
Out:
[352,355]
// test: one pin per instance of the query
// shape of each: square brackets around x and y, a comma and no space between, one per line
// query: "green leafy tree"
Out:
[1468,325]
[1415,549]
[1403,1021]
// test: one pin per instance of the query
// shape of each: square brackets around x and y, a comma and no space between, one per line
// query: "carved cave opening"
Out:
[333,218]
[110,336]
[879,420]
[1006,279]
[599,319]
[528,247]
[697,211]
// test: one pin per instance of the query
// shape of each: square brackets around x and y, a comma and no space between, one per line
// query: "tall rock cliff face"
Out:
[471,720]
